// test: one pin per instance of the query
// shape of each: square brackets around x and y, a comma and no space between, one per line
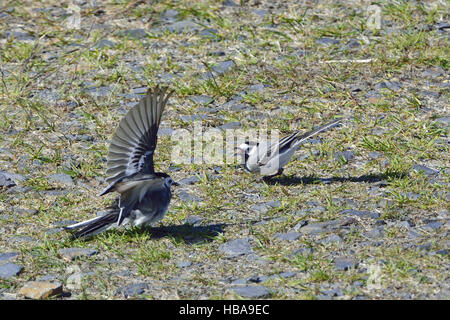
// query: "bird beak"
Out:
[175,184]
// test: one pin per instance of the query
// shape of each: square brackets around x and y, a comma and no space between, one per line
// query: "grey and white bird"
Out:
[268,158]
[144,194]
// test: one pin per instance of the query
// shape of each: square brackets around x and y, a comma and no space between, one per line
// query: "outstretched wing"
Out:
[134,142]
[294,139]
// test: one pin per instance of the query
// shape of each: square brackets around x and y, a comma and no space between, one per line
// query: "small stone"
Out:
[424,169]
[187,197]
[105,44]
[325,41]
[133,34]
[60,178]
[189,181]
[304,251]
[230,125]
[443,120]
[375,233]
[443,252]
[193,221]
[252,291]
[9,270]
[204,100]
[235,248]
[334,238]
[41,289]
[132,289]
[229,3]
[344,264]
[361,214]
[433,225]
[8,256]
[265,206]
[289,236]
[223,67]
[71,254]
[285,275]
[391,85]
[344,155]
[183,26]
[165,132]
[184,264]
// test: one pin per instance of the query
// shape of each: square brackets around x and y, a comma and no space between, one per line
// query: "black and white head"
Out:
[168,182]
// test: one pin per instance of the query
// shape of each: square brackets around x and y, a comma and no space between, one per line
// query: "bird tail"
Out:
[301,138]
[93,226]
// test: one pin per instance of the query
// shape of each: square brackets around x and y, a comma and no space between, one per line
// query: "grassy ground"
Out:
[64,89]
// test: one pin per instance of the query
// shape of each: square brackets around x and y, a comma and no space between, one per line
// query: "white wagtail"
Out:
[144,194]
[268,159]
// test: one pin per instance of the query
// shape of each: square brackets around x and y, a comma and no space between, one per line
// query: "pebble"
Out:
[9,270]
[133,33]
[132,289]
[235,248]
[333,238]
[326,41]
[252,291]
[60,178]
[361,214]
[345,155]
[289,236]
[391,85]
[71,254]
[8,256]
[424,169]
[187,197]
[193,221]
[344,264]
[41,289]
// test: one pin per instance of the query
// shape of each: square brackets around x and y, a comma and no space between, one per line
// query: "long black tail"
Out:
[94,226]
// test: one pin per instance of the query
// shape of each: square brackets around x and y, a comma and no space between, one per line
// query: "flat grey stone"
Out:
[133,33]
[193,220]
[344,264]
[266,206]
[231,125]
[99,92]
[252,291]
[184,264]
[433,225]
[201,99]
[187,197]
[133,289]
[76,253]
[189,180]
[443,120]
[105,44]
[223,67]
[361,214]
[183,26]
[8,256]
[326,41]
[346,155]
[61,178]
[391,85]
[9,270]
[289,236]
[229,3]
[333,238]
[165,132]
[303,251]
[424,169]
[235,248]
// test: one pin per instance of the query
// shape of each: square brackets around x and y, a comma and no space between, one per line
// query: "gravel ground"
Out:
[361,212]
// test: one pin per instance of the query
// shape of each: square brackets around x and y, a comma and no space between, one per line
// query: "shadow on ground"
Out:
[371,178]
[187,233]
